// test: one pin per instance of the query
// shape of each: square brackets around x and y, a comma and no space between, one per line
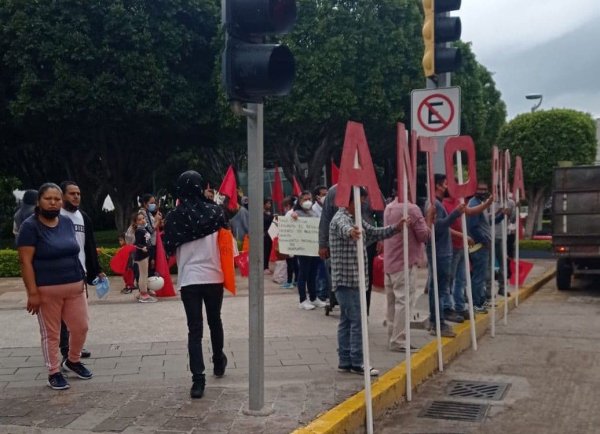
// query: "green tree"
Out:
[355,60]
[103,91]
[542,139]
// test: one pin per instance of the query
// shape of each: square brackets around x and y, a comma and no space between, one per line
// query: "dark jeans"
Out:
[307,277]
[268,243]
[292,269]
[371,253]
[444,266]
[192,297]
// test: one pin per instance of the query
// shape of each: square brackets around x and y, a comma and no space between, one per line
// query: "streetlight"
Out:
[534,96]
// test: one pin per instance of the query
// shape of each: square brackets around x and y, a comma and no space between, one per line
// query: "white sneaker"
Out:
[306,305]
[318,303]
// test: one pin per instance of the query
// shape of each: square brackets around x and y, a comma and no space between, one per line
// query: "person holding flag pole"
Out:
[463,221]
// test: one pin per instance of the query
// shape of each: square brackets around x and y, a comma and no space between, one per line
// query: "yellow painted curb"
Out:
[390,389]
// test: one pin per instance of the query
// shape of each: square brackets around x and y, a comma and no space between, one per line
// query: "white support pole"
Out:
[463,221]
[504,258]
[407,312]
[362,289]
[434,277]
[493,269]
[518,231]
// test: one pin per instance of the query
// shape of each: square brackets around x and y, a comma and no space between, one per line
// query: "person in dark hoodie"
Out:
[191,233]
[26,209]
[88,255]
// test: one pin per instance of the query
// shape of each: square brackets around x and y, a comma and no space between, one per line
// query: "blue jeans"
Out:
[349,329]
[192,297]
[322,281]
[444,264]
[307,276]
[460,281]
[481,269]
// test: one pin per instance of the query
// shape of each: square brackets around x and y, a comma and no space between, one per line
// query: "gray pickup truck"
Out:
[576,222]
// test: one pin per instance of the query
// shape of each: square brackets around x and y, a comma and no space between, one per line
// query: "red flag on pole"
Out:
[162,268]
[296,187]
[335,173]
[229,188]
[277,190]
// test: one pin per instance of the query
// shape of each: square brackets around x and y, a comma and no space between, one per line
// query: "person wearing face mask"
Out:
[88,256]
[319,193]
[154,222]
[54,279]
[307,265]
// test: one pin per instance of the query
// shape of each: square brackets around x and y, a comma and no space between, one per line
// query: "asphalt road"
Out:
[548,355]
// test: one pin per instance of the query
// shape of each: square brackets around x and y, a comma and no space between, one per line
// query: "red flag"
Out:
[296,188]
[277,190]
[229,188]
[335,173]
[162,268]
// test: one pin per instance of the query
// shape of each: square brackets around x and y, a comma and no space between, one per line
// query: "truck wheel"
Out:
[564,271]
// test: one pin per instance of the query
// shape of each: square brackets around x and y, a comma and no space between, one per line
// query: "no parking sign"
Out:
[436,112]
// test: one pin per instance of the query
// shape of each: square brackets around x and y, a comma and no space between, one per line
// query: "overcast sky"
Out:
[551,47]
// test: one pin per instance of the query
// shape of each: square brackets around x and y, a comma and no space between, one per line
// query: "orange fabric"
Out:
[246,243]
[225,241]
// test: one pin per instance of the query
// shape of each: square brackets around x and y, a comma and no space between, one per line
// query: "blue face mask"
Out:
[152,207]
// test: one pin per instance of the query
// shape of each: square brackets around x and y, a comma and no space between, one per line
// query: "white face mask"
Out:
[321,199]
[307,204]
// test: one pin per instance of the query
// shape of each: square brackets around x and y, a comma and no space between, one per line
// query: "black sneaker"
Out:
[220,365]
[85,354]
[197,390]
[78,368]
[344,368]
[57,381]
[453,316]
[361,370]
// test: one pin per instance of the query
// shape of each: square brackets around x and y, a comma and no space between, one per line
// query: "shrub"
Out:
[10,267]
[545,245]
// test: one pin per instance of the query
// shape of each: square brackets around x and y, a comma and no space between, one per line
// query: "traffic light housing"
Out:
[438,28]
[253,69]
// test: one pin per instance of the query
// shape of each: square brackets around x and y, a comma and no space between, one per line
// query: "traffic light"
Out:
[253,69]
[437,30]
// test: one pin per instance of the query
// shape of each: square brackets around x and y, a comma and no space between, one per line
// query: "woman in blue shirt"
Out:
[54,278]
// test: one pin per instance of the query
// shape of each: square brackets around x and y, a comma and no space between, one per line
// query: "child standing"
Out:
[142,244]
[128,275]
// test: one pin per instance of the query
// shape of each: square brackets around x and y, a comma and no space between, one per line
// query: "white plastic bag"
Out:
[280,272]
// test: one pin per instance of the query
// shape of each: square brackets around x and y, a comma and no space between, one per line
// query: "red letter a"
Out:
[356,150]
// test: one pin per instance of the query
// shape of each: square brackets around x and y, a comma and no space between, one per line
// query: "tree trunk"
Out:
[537,198]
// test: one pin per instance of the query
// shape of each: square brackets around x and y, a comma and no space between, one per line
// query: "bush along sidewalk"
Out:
[10,267]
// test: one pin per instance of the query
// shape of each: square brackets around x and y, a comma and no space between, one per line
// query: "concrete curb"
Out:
[390,389]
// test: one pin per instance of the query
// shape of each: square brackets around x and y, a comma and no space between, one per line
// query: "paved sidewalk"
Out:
[141,380]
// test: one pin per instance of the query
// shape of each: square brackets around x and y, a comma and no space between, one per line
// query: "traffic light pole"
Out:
[438,157]
[256,311]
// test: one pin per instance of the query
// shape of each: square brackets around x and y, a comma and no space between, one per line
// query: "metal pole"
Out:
[256,278]
[469,288]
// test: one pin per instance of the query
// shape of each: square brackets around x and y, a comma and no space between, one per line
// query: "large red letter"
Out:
[506,185]
[406,164]
[357,149]
[454,145]
[495,171]
[429,145]
[518,184]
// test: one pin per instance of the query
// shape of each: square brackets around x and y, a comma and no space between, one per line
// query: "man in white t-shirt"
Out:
[88,257]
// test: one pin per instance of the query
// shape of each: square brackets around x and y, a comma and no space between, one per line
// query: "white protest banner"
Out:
[299,237]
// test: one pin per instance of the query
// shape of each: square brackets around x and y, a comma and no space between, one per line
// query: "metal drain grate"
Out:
[477,389]
[462,411]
